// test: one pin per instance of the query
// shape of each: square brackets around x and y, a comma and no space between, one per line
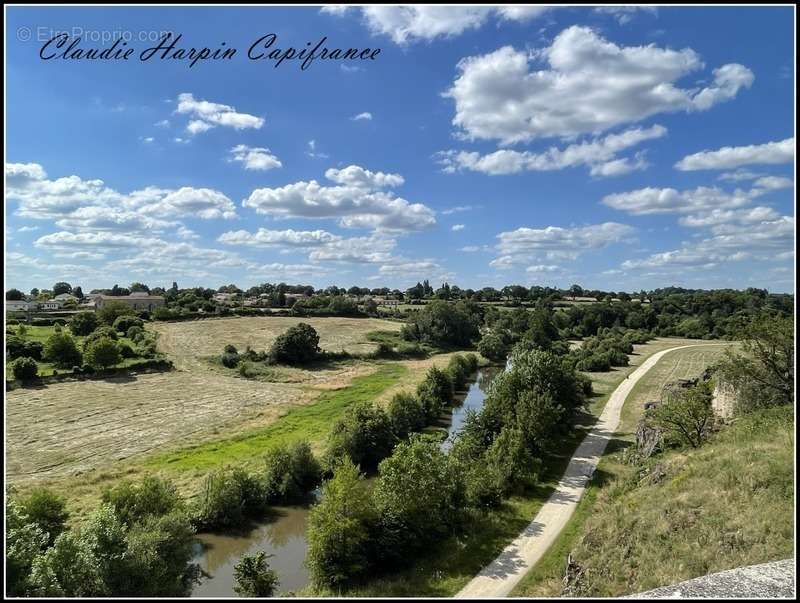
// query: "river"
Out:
[284,536]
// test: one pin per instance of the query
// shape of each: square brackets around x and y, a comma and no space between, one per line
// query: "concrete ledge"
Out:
[765,581]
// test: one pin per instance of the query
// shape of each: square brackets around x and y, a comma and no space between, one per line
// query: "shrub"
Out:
[686,416]
[24,369]
[67,569]
[134,502]
[413,350]
[230,349]
[24,541]
[60,349]
[125,350]
[229,359]
[364,435]
[493,347]
[253,576]
[435,392]
[112,310]
[125,322]
[102,353]
[146,348]
[291,472]
[406,414]
[83,323]
[339,528]
[443,324]
[298,345]
[133,332]
[87,369]
[101,331]
[459,370]
[418,496]
[47,510]
[164,313]
[229,496]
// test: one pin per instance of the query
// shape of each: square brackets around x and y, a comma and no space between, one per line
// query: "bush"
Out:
[17,347]
[406,414]
[47,510]
[686,415]
[418,496]
[112,310]
[67,569]
[102,353]
[339,528]
[229,497]
[291,472]
[83,323]
[87,369]
[60,349]
[459,369]
[24,541]
[152,496]
[435,392]
[253,576]
[229,360]
[126,351]
[101,331]
[443,324]
[412,350]
[298,345]
[24,369]
[230,349]
[364,435]
[492,346]
[134,332]
[125,322]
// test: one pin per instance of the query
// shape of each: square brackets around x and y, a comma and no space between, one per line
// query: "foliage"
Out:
[83,323]
[686,415]
[24,369]
[24,541]
[61,350]
[364,434]
[125,322]
[229,496]
[102,353]
[406,414]
[443,324]
[298,345]
[459,369]
[493,347]
[67,569]
[339,528]
[47,511]
[133,502]
[290,472]
[435,392]
[253,576]
[112,310]
[17,347]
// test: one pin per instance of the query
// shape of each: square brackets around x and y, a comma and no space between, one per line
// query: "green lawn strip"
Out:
[310,422]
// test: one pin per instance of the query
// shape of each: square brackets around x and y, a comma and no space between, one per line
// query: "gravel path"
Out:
[500,577]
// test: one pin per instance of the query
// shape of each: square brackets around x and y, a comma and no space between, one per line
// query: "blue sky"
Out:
[617,148]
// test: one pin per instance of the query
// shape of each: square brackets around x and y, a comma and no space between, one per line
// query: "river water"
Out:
[284,536]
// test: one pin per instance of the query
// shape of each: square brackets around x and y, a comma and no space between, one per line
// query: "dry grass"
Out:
[188,342]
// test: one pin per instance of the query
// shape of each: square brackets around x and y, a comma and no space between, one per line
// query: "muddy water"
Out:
[284,536]
[471,400]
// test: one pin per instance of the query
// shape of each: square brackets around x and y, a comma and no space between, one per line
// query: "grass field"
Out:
[726,504]
[455,561]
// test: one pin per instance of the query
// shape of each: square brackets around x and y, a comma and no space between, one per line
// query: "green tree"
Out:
[493,347]
[83,323]
[290,472]
[112,310]
[253,576]
[47,510]
[686,415]
[61,287]
[406,414]
[102,353]
[61,350]
[67,569]
[364,435]
[298,345]
[24,368]
[14,295]
[135,501]
[339,528]
[24,541]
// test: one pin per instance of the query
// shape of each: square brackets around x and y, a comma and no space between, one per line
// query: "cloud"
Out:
[553,242]
[625,14]
[652,200]
[717,217]
[106,240]
[588,85]
[312,151]
[207,115]
[187,201]
[457,209]
[27,228]
[542,268]
[358,201]
[255,158]
[407,24]
[733,157]
[457,227]
[599,154]
[164,123]
[366,115]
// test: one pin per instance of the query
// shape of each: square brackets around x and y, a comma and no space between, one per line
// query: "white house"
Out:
[63,297]
[20,305]
[51,304]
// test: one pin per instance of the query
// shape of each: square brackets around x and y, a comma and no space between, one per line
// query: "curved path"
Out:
[499,577]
